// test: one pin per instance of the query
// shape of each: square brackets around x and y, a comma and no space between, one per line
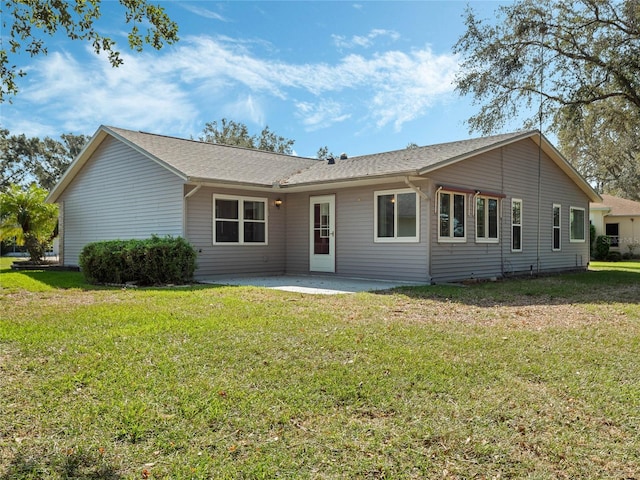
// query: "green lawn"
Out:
[535,378]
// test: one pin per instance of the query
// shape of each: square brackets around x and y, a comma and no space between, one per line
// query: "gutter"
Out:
[416,189]
[192,192]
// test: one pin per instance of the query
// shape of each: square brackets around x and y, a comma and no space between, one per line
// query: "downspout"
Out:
[184,208]
[416,189]
[426,197]
[192,192]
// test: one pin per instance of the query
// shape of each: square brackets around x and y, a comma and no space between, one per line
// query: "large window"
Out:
[451,227]
[396,216]
[577,224]
[486,219]
[556,227]
[239,220]
[516,225]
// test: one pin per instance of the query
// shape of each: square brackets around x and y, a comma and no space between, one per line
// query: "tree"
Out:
[25,216]
[412,146]
[25,160]
[324,153]
[604,140]
[27,22]
[228,132]
[565,62]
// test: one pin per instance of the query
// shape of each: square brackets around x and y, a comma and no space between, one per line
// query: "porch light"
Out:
[277,203]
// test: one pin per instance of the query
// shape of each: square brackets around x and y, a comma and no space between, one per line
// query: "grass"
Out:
[535,378]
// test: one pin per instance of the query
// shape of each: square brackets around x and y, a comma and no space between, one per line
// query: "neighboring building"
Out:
[619,219]
[478,208]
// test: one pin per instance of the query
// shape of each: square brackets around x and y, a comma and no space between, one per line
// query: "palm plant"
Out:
[25,216]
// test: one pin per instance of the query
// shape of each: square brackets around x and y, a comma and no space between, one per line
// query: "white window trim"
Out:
[584,230]
[559,227]
[241,199]
[475,214]
[517,200]
[395,238]
[451,239]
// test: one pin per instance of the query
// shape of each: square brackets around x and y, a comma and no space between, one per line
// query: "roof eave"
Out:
[350,182]
[546,146]
[88,150]
[77,164]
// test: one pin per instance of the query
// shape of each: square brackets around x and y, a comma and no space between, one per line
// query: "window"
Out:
[576,223]
[612,230]
[556,228]
[451,217]
[516,225]
[486,219]
[239,220]
[396,216]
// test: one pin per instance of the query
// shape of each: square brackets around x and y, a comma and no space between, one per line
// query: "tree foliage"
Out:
[324,153]
[28,22]
[25,160]
[229,132]
[567,63]
[25,216]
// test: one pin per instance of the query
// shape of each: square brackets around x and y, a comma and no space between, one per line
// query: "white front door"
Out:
[322,248]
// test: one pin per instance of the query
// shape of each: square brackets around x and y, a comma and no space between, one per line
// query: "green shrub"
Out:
[614,257]
[592,238]
[154,261]
[602,247]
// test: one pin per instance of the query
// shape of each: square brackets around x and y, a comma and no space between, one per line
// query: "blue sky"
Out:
[358,77]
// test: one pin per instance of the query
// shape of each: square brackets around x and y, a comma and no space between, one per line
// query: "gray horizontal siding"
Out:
[357,255]
[220,260]
[119,194]
[513,171]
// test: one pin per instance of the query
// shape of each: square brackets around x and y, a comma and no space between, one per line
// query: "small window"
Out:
[556,228]
[451,227]
[612,230]
[516,225]
[576,221]
[486,219]
[239,220]
[396,216]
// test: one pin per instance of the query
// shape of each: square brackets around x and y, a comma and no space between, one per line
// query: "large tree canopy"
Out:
[228,132]
[26,23]
[574,65]
[24,160]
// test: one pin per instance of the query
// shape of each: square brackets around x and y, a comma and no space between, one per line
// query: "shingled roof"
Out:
[408,161]
[617,206]
[201,162]
[196,160]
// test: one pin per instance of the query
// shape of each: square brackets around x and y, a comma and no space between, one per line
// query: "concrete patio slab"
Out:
[311,284]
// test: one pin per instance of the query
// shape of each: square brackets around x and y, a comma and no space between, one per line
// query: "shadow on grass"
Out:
[80,465]
[603,286]
[65,280]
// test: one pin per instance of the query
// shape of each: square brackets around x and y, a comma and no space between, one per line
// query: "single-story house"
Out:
[480,208]
[619,219]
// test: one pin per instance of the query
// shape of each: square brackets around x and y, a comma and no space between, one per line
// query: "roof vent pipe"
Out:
[331,161]
[343,156]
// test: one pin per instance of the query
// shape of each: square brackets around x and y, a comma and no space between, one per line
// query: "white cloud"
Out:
[202,12]
[364,41]
[320,115]
[175,89]
[245,108]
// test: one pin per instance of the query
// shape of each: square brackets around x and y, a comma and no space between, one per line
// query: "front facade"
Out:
[483,208]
